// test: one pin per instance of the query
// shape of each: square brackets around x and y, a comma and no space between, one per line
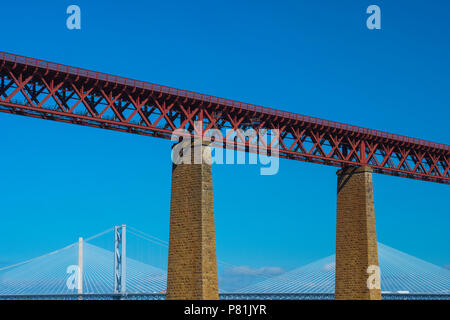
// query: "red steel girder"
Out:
[52,91]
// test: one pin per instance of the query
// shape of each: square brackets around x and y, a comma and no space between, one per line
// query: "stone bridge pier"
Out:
[357,270]
[192,266]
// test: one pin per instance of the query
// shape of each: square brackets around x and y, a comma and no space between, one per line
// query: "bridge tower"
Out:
[357,269]
[120,259]
[192,265]
[80,266]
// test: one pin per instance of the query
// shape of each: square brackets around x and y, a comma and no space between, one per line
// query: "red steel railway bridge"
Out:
[47,90]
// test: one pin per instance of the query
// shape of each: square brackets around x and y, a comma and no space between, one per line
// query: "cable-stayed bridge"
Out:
[400,273]
[50,276]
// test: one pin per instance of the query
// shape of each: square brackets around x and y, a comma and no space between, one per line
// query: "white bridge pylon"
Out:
[125,260]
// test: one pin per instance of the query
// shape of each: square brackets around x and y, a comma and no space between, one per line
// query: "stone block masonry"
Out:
[192,265]
[356,239]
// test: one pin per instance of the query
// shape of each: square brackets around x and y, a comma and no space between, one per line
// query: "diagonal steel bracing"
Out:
[46,90]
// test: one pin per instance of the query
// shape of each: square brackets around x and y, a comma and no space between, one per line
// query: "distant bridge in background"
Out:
[45,277]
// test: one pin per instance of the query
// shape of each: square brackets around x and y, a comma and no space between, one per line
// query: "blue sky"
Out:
[317,58]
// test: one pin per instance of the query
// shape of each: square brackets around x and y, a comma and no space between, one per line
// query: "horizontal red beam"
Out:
[47,90]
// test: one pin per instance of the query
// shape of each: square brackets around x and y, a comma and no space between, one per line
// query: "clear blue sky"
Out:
[61,181]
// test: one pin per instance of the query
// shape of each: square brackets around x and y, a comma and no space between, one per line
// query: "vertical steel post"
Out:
[123,286]
[116,259]
[80,265]
[120,258]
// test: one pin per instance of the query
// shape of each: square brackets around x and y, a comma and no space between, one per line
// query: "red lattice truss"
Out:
[57,92]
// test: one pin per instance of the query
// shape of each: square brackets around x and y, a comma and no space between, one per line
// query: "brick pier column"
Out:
[192,266]
[356,239]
